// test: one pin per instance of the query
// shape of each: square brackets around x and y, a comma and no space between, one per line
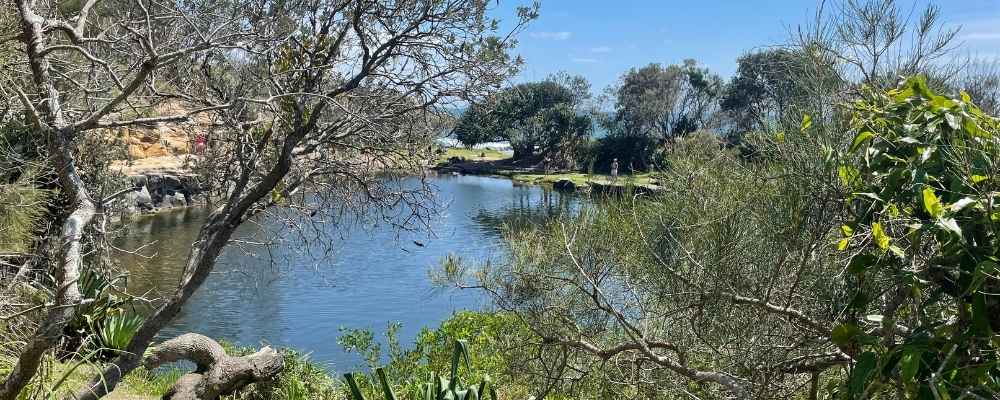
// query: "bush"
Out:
[924,176]
[496,339]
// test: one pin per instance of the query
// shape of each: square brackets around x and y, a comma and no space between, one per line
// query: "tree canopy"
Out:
[663,102]
[537,118]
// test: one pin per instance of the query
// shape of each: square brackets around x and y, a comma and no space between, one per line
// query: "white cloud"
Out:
[982,36]
[600,49]
[561,35]
[584,60]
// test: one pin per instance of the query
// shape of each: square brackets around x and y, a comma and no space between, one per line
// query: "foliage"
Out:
[925,239]
[439,387]
[720,285]
[768,84]
[497,338]
[662,102]
[300,379]
[109,316]
[537,118]
[633,152]
[117,329]
[22,208]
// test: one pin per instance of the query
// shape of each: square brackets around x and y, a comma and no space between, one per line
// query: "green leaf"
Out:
[860,263]
[953,120]
[977,178]
[384,382]
[353,386]
[898,251]
[931,203]
[862,373]
[843,243]
[950,225]
[843,335]
[860,140]
[881,239]
[959,205]
[779,137]
[909,364]
[807,122]
[846,231]
[849,176]
[980,316]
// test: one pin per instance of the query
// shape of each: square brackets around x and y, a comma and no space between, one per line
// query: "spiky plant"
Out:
[439,387]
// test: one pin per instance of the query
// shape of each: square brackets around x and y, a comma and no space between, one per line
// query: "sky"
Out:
[601,39]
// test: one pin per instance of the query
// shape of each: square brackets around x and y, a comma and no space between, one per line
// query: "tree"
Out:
[665,102]
[537,118]
[311,97]
[763,89]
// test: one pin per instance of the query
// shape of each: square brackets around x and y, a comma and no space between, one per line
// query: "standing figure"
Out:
[614,170]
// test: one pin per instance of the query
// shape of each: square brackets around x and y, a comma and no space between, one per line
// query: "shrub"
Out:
[924,176]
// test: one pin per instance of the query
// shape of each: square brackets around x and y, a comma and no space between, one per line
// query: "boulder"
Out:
[139,199]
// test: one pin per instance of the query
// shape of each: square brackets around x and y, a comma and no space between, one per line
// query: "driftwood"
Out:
[217,373]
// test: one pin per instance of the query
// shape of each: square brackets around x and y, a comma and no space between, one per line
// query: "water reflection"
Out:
[376,275]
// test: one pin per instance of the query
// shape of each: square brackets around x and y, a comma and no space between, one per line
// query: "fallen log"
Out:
[217,373]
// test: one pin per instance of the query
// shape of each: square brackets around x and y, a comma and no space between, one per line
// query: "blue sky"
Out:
[600,39]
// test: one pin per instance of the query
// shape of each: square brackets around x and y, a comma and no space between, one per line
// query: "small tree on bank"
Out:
[539,119]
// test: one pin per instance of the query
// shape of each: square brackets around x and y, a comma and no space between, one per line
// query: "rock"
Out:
[564,185]
[139,199]
[172,200]
[138,181]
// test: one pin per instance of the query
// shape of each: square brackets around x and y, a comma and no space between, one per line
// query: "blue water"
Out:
[375,275]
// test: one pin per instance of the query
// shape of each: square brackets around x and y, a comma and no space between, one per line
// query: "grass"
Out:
[472,154]
[63,377]
[302,379]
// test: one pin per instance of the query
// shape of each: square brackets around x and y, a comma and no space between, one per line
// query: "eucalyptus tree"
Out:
[314,96]
[665,101]
[765,89]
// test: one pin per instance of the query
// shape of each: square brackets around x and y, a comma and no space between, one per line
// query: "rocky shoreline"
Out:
[156,191]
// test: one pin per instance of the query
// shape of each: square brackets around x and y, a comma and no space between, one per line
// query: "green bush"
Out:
[924,176]
[497,339]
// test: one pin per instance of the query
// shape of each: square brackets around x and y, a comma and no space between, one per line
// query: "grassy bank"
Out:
[490,337]
[471,155]
[491,162]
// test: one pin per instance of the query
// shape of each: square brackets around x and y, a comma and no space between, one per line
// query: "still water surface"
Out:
[375,276]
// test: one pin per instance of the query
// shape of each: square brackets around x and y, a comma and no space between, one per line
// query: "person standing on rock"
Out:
[614,170]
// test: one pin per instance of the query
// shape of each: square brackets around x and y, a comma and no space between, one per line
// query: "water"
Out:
[375,276]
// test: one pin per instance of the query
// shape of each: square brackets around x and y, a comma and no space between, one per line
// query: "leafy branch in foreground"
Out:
[925,243]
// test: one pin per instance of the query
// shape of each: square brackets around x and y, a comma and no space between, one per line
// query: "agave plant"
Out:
[115,331]
[439,387]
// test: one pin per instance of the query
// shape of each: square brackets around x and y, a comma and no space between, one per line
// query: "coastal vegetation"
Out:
[823,225]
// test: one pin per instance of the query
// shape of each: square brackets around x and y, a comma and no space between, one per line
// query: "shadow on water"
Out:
[375,275]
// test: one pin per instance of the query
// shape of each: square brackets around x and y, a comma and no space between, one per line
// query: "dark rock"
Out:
[564,185]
